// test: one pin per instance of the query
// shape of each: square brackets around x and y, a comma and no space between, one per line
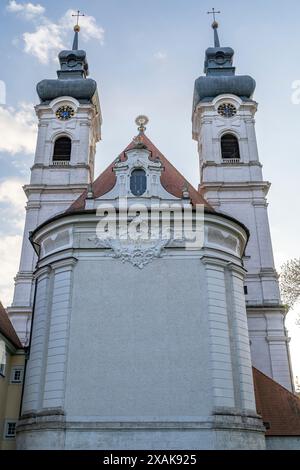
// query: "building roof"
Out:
[7,329]
[220,75]
[279,408]
[171,179]
[71,78]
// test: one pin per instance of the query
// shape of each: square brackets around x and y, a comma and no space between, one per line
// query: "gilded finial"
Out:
[141,122]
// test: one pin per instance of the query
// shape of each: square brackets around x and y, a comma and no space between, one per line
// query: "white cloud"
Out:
[44,43]
[10,250]
[49,38]
[18,129]
[13,198]
[28,10]
[89,28]
[160,55]
[12,215]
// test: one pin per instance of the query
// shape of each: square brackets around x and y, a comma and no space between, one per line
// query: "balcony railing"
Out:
[231,161]
[60,163]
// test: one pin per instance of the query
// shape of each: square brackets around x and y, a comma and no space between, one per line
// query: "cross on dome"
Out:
[214,13]
[78,14]
[76,29]
[215,26]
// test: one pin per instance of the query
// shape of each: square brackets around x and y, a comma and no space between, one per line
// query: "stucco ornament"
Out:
[138,252]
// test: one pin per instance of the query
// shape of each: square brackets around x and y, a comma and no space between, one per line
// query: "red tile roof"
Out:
[7,329]
[171,179]
[279,408]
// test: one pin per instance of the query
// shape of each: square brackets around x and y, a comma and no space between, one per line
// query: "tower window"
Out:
[138,182]
[230,147]
[10,429]
[62,149]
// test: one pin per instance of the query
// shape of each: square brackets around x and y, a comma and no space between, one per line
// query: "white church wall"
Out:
[147,348]
[135,357]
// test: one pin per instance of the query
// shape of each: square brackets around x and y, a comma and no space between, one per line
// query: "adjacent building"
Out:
[12,361]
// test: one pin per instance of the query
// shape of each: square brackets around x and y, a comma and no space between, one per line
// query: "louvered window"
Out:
[230,147]
[62,149]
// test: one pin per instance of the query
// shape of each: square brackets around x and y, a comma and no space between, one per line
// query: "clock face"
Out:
[65,112]
[227,110]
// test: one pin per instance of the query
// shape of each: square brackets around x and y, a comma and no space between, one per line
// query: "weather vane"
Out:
[78,14]
[214,13]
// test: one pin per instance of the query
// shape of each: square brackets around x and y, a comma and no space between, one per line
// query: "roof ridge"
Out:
[7,328]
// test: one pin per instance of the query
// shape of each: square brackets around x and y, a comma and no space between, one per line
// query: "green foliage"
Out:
[290,282]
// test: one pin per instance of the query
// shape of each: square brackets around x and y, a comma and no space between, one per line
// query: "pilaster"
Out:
[221,361]
[46,370]
[57,351]
[240,337]
[34,373]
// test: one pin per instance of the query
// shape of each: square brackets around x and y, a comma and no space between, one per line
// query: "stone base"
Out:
[214,433]
[283,443]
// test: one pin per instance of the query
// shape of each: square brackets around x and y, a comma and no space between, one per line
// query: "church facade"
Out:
[145,303]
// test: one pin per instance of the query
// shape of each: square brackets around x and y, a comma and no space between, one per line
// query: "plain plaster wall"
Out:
[138,341]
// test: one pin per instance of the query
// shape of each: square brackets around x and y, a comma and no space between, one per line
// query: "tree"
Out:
[290,282]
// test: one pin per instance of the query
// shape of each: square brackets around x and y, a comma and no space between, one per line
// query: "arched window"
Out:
[230,147]
[62,149]
[138,182]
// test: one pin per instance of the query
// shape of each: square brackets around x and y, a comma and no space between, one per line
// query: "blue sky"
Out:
[145,57]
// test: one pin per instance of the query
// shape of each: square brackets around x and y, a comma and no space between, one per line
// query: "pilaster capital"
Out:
[214,263]
[65,264]
[237,270]
[42,272]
